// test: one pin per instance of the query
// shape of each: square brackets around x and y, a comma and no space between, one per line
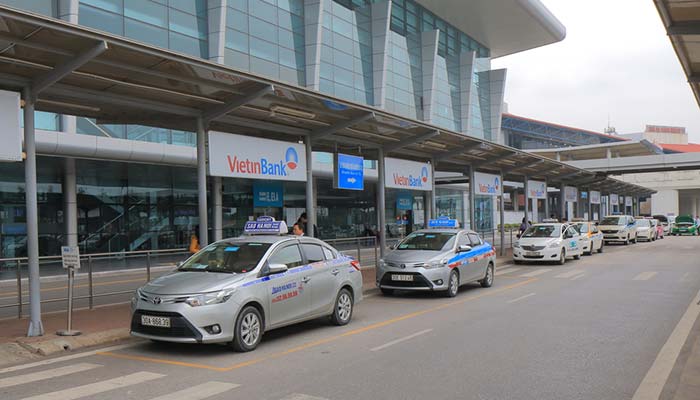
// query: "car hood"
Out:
[643,228]
[537,241]
[191,282]
[412,256]
[611,227]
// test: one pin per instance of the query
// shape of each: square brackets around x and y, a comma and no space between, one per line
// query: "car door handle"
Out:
[306,279]
[335,271]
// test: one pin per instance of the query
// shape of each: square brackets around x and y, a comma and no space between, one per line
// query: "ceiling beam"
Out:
[684,28]
[339,126]
[522,166]
[414,140]
[237,102]
[456,152]
[65,68]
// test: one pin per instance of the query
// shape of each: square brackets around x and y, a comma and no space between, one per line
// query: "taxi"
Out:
[234,290]
[591,237]
[439,259]
[685,225]
[618,228]
[547,242]
[645,229]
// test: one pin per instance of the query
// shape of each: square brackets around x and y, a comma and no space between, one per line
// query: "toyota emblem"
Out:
[157,300]
[403,266]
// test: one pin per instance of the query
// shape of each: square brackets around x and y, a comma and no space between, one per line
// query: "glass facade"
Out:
[88,126]
[404,75]
[266,37]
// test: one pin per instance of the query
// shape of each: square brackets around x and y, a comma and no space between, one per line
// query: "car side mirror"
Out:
[276,268]
[463,248]
[179,264]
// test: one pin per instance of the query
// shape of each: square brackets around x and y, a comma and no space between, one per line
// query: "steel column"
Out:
[70,202]
[432,206]
[217,211]
[527,199]
[36,328]
[546,201]
[310,210]
[381,206]
[562,203]
[503,217]
[202,182]
[472,198]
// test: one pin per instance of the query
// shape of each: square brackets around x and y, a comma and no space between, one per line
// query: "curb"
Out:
[69,343]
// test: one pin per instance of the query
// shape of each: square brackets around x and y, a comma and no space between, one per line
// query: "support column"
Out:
[503,217]
[36,328]
[202,182]
[429,52]
[217,212]
[313,30]
[433,201]
[310,209]
[546,200]
[381,18]
[562,203]
[381,202]
[527,200]
[216,15]
[70,202]
[472,198]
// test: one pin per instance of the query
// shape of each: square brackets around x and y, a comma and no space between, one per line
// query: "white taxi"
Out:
[548,242]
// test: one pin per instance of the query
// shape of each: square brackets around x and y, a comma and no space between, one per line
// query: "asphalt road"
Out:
[590,329]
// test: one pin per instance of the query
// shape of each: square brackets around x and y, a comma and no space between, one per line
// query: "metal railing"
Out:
[364,249]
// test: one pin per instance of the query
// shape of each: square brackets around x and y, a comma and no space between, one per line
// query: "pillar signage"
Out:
[628,201]
[268,194]
[238,156]
[349,172]
[488,184]
[10,131]
[536,189]
[570,194]
[404,174]
[614,199]
[404,201]
[595,197]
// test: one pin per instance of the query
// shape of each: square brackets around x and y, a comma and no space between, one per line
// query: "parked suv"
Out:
[618,228]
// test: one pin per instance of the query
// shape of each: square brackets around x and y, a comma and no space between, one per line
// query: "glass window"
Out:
[328,253]
[313,252]
[146,11]
[552,231]
[102,20]
[474,239]
[428,241]
[187,24]
[116,6]
[288,255]
[227,257]
[188,45]
[263,49]
[146,33]
[194,7]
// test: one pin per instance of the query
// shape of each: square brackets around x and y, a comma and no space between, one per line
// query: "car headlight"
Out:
[206,299]
[381,263]
[554,245]
[516,245]
[435,264]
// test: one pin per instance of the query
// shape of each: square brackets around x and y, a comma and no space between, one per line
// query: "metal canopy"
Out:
[134,83]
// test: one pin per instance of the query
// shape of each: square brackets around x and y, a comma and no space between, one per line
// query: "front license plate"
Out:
[407,278]
[532,253]
[160,322]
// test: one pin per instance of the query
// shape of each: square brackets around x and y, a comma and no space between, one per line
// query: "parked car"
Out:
[618,228]
[664,222]
[685,225]
[591,237]
[645,231]
[656,224]
[548,242]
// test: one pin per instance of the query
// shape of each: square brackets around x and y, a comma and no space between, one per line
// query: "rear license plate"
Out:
[407,278]
[532,253]
[160,322]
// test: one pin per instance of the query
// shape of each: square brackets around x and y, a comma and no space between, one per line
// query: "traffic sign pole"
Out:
[71,261]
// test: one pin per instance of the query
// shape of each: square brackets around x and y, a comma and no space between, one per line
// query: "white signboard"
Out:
[70,257]
[488,184]
[595,197]
[240,156]
[614,199]
[570,194]
[628,201]
[403,174]
[536,189]
[10,131]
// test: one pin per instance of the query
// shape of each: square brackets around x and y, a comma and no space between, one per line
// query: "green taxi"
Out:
[685,225]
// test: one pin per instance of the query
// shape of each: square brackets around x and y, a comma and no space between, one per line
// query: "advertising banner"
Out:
[536,189]
[595,197]
[628,201]
[11,133]
[404,201]
[570,194]
[268,194]
[238,156]
[488,184]
[349,172]
[403,174]
[614,199]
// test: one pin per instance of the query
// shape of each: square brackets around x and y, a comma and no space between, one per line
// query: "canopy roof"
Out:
[628,148]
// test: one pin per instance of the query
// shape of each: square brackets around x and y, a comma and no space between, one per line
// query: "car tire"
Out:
[562,257]
[452,284]
[627,241]
[517,262]
[342,310]
[387,292]
[600,249]
[248,330]
[487,282]
[577,257]
[635,240]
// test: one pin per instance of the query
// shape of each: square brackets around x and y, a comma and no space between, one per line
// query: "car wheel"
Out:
[562,257]
[600,249]
[627,241]
[577,257]
[452,285]
[488,278]
[342,312]
[387,292]
[635,240]
[517,262]
[248,330]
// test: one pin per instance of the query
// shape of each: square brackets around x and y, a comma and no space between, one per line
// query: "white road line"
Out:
[655,379]
[66,358]
[506,271]
[397,341]
[536,272]
[644,276]
[570,274]
[48,374]
[98,387]
[521,298]
[578,276]
[301,396]
[199,392]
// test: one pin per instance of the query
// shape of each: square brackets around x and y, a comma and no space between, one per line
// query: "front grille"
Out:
[608,231]
[156,299]
[533,257]
[403,265]
[533,248]
[418,281]
[179,326]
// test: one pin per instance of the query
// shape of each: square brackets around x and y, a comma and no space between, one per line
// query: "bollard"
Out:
[19,289]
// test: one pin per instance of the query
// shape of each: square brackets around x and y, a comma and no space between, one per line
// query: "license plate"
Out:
[408,278]
[532,253]
[160,322]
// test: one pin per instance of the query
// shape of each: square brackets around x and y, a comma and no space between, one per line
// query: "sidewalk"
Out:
[684,381]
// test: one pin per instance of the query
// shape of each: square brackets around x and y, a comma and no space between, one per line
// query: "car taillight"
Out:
[355,264]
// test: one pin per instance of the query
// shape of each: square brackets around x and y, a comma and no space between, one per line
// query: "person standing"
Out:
[297,229]
[194,243]
[523,227]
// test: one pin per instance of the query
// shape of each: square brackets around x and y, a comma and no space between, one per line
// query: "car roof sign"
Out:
[265,225]
[443,222]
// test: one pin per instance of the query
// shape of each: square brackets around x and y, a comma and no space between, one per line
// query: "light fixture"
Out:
[291,112]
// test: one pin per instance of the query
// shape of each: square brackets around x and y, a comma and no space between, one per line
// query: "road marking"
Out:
[536,272]
[569,274]
[300,396]
[397,341]
[65,358]
[578,276]
[98,387]
[655,379]
[644,276]
[319,342]
[199,392]
[521,298]
[506,271]
[42,375]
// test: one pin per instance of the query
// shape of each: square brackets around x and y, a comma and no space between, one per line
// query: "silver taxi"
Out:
[548,242]
[236,289]
[438,259]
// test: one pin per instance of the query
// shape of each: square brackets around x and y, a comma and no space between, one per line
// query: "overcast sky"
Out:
[616,61]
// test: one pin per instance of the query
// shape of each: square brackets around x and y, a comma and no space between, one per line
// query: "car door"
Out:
[290,298]
[323,281]
[596,238]
[479,261]
[573,242]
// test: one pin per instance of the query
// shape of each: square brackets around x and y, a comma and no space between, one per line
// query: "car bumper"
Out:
[187,323]
[546,254]
[431,279]
[616,237]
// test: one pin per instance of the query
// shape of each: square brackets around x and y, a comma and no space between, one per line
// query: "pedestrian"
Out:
[303,221]
[194,243]
[297,229]
[523,227]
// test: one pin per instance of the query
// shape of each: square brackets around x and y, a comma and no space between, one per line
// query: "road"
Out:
[590,329]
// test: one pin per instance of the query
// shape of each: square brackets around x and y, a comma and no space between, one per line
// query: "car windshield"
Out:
[582,228]
[642,223]
[613,221]
[428,241]
[544,231]
[227,257]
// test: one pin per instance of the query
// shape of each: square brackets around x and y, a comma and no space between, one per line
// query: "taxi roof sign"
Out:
[265,225]
[443,222]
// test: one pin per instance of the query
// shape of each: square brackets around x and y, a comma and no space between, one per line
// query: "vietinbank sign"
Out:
[537,189]
[240,156]
[488,184]
[404,174]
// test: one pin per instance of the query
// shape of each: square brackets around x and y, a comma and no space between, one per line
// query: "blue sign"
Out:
[349,172]
[404,201]
[265,225]
[268,194]
[443,222]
